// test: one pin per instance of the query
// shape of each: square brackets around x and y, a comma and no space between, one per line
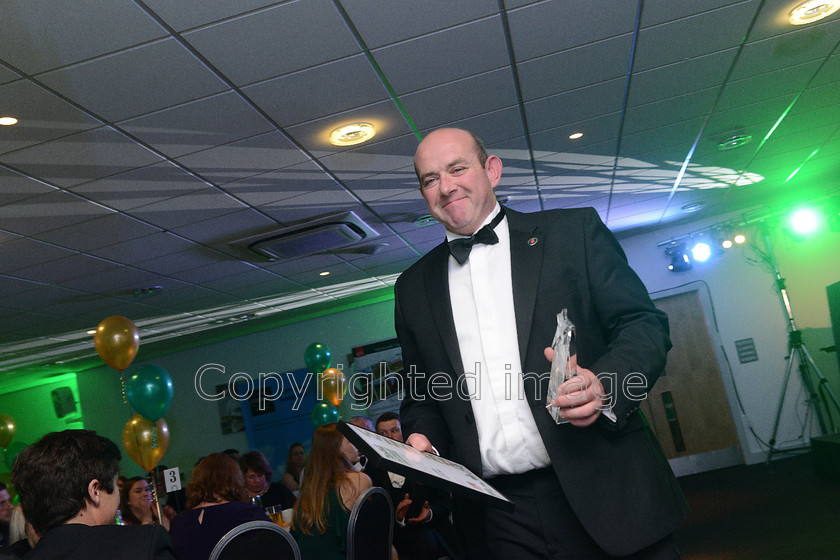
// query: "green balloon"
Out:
[323,413]
[317,357]
[149,391]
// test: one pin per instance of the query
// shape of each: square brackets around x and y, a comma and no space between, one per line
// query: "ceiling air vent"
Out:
[330,233]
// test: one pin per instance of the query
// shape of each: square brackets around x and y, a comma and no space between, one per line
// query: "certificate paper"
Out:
[400,458]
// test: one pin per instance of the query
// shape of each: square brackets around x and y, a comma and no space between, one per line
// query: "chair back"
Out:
[260,540]
[370,530]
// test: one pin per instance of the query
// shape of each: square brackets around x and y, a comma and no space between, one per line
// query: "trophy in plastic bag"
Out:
[561,366]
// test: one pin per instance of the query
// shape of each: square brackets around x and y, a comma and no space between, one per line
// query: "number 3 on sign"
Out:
[172,479]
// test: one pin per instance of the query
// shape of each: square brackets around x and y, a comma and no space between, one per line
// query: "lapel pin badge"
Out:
[532,241]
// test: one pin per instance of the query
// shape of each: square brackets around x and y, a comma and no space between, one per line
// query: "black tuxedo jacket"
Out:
[75,541]
[614,475]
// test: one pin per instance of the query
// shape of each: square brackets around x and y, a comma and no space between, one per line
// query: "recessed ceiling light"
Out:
[425,220]
[325,273]
[693,207]
[352,134]
[576,135]
[813,10]
[734,141]
[8,121]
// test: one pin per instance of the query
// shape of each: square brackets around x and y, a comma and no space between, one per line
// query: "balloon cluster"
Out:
[148,389]
[331,383]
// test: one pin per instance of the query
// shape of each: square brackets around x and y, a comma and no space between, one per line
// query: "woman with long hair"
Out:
[217,498]
[294,466]
[136,504]
[327,495]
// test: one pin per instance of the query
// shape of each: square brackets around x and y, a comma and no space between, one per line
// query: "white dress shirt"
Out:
[481,292]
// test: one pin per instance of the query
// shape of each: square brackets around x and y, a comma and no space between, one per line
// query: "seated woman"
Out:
[294,467]
[327,495]
[261,490]
[215,498]
[136,504]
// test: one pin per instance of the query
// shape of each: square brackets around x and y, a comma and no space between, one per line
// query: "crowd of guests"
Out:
[74,499]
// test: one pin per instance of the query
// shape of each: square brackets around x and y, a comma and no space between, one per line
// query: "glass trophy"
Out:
[561,366]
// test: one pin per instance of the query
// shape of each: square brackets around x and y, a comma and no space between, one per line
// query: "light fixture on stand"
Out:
[820,395]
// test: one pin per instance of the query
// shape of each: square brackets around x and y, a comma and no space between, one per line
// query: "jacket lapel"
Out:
[437,292]
[526,258]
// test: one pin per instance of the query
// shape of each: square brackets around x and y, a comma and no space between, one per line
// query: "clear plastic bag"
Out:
[561,366]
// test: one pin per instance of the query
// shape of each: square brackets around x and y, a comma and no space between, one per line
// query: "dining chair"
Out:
[370,530]
[261,540]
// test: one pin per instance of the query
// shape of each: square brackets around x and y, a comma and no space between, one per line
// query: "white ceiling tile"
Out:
[310,205]
[136,81]
[382,23]
[183,260]
[25,252]
[141,186]
[444,56]
[276,41]
[574,106]
[186,14]
[445,103]
[61,270]
[188,209]
[140,249]
[692,36]
[198,125]
[41,116]
[277,185]
[547,27]
[220,230]
[656,12]
[39,35]
[320,91]
[802,45]
[245,158]
[669,111]
[81,157]
[48,211]
[579,67]
[680,78]
[7,75]
[101,232]
[373,158]
[17,187]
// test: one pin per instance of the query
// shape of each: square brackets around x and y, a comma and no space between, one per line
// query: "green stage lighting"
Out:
[804,221]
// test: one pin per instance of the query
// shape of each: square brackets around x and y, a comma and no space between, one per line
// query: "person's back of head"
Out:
[363,422]
[216,478]
[65,474]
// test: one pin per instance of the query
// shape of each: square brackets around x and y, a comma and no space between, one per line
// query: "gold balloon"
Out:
[146,446]
[7,430]
[333,385]
[116,340]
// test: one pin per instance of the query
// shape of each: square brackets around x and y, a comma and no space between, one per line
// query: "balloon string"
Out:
[154,436]
[122,388]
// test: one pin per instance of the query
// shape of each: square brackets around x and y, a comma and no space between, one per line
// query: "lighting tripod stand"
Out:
[820,395]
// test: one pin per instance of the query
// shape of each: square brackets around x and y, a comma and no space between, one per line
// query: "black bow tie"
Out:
[460,248]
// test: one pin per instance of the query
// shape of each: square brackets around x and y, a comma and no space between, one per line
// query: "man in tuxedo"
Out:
[476,317]
[67,485]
